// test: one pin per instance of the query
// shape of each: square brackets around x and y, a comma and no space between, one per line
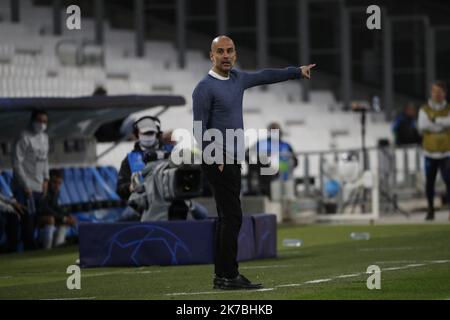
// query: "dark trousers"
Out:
[226,188]
[10,223]
[431,168]
[29,219]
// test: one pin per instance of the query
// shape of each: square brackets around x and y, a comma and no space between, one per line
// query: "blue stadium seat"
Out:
[5,187]
[7,175]
[109,174]
[88,187]
[93,191]
[71,187]
[77,175]
[64,198]
[105,187]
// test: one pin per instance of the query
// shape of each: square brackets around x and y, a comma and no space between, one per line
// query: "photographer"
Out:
[150,147]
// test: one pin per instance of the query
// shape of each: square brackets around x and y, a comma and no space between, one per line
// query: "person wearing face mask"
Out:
[147,148]
[152,145]
[31,172]
[434,125]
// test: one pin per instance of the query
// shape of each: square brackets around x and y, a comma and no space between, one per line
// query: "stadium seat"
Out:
[5,188]
[7,175]
[109,174]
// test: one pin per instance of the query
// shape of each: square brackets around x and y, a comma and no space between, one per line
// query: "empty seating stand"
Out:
[88,192]
[92,197]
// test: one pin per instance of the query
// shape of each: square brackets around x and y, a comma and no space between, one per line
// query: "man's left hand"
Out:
[306,70]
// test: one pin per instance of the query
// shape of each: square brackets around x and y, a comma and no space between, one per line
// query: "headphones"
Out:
[155,119]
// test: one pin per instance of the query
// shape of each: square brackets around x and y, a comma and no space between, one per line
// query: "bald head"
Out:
[223,55]
[221,41]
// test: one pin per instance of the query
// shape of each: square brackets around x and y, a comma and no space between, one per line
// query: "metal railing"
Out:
[399,167]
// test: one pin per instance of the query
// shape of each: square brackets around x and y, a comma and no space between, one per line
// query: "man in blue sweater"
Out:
[217,104]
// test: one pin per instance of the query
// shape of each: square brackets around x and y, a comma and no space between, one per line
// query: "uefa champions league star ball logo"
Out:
[141,243]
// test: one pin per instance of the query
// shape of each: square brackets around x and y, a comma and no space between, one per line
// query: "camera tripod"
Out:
[360,194]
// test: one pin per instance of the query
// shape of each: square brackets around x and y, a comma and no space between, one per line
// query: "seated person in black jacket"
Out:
[150,147]
[11,212]
[53,219]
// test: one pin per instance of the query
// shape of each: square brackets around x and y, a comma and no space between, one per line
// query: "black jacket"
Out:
[49,206]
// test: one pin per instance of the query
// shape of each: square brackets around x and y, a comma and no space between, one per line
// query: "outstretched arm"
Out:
[268,76]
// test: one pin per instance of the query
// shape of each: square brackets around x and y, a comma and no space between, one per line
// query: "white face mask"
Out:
[147,141]
[39,127]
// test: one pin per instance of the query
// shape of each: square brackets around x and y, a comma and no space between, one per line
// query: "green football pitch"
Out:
[414,262]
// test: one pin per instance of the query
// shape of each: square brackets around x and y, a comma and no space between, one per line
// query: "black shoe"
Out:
[238,283]
[218,281]
[430,215]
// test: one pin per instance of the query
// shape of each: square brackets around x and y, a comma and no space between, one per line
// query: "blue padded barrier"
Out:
[170,242]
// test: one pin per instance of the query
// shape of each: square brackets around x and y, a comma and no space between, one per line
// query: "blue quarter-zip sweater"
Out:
[218,103]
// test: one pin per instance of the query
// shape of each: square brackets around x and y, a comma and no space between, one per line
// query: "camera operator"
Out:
[151,147]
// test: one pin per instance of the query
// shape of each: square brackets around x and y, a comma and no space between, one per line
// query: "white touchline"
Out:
[439,261]
[391,248]
[395,261]
[268,267]
[80,298]
[343,276]
[141,272]
[216,292]
[288,285]
[393,268]
[318,281]
[415,265]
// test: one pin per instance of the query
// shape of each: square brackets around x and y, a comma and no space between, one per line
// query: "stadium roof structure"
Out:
[77,117]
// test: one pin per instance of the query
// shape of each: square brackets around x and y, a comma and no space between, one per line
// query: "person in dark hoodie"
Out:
[405,128]
[151,147]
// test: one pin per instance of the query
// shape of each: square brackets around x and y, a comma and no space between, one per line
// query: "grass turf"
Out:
[319,269]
